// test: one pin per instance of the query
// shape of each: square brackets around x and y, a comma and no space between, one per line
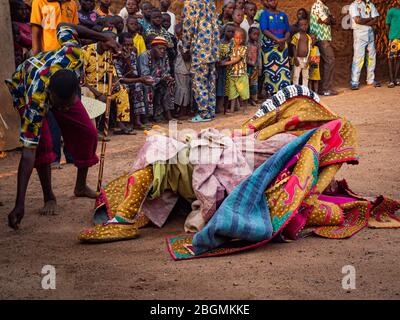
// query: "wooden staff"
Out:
[106,125]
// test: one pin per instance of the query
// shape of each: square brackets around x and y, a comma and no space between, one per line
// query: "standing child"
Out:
[145,22]
[164,6]
[393,26]
[237,79]
[238,17]
[156,29]
[302,44]
[133,27]
[166,23]
[131,9]
[250,10]
[183,86]
[127,70]
[253,62]
[225,48]
[315,59]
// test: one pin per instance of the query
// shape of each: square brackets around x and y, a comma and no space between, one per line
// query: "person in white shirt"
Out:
[363,16]
[131,9]
[164,6]
[250,10]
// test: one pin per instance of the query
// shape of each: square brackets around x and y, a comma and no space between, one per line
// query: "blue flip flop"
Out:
[198,118]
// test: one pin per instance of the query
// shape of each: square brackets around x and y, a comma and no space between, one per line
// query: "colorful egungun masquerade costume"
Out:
[290,195]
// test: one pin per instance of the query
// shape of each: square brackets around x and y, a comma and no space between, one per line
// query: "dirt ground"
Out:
[143,269]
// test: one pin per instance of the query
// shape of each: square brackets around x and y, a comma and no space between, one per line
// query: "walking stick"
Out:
[105,130]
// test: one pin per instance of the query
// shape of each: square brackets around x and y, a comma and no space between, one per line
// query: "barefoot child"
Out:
[302,43]
[225,48]
[253,62]
[237,79]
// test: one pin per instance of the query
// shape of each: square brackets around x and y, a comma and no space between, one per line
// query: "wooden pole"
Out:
[106,126]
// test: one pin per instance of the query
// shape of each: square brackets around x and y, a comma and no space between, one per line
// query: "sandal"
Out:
[198,118]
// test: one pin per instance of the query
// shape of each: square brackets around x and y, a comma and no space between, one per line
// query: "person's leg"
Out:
[232,93]
[359,45]
[397,61]
[50,203]
[296,74]
[57,141]
[211,90]
[45,156]
[327,64]
[198,78]
[55,137]
[391,70]
[220,104]
[123,109]
[305,73]
[316,85]
[371,59]
[148,99]
[253,91]
[41,157]
[243,86]
[25,169]
[167,101]
[204,91]
[80,137]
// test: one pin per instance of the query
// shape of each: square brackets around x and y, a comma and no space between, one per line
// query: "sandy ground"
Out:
[143,269]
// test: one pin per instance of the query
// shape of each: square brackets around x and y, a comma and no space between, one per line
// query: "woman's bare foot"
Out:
[15,217]
[49,208]
[85,192]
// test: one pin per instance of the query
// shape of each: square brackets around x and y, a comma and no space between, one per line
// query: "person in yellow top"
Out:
[133,27]
[302,44]
[45,17]
[97,59]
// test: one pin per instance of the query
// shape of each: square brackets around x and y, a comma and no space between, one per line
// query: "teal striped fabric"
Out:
[244,214]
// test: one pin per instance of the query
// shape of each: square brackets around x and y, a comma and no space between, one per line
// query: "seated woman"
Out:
[97,61]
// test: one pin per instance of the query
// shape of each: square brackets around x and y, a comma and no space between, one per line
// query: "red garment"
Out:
[79,135]
[25,33]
